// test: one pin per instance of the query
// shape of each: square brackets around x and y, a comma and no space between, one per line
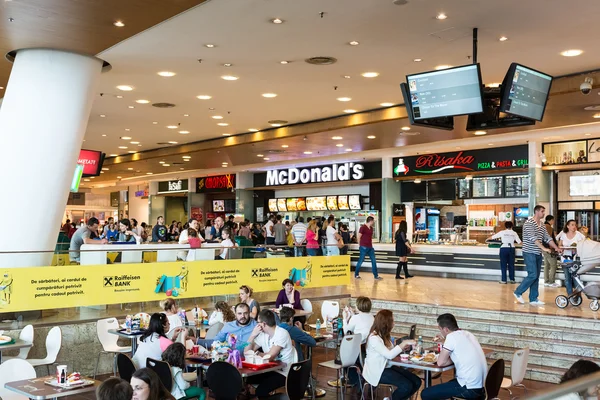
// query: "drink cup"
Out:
[195,350]
[404,357]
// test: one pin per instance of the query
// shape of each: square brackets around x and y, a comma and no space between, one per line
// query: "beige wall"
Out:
[563,186]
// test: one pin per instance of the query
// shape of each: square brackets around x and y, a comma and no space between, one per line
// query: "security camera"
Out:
[586,86]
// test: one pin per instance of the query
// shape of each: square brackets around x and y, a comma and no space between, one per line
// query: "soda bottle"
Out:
[420,345]
[340,327]
[318,325]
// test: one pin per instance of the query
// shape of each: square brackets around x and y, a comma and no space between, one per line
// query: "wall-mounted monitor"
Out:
[218,205]
[92,162]
[446,123]
[343,203]
[354,201]
[281,205]
[332,203]
[301,204]
[273,205]
[291,204]
[316,203]
[525,92]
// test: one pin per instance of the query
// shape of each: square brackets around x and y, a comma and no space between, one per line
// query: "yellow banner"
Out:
[42,288]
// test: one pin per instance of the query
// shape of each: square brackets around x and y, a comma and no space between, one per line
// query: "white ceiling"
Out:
[390,38]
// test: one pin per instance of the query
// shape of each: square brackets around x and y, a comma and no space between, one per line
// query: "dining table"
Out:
[16,345]
[38,389]
[201,365]
[133,336]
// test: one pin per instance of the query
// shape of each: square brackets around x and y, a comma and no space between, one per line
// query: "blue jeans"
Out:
[533,266]
[366,251]
[507,262]
[333,251]
[406,382]
[450,389]
[568,280]
[312,252]
[298,251]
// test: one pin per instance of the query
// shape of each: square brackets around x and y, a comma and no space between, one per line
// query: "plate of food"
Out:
[427,358]
[5,339]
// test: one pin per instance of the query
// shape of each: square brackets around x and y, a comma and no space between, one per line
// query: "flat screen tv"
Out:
[218,205]
[92,161]
[446,123]
[492,117]
[446,93]
[525,92]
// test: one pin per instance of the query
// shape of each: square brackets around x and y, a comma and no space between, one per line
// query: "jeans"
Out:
[533,266]
[333,251]
[406,382]
[507,262]
[270,240]
[450,389]
[366,251]
[312,252]
[549,267]
[267,382]
[298,251]
[568,280]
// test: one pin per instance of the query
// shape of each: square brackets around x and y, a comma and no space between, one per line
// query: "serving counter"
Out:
[95,254]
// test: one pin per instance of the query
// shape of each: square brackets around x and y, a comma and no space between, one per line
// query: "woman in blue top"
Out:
[110,232]
[126,234]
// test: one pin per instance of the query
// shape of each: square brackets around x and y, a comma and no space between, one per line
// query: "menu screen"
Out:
[343,203]
[584,185]
[218,205]
[301,204]
[332,203]
[527,93]
[291,204]
[354,202]
[316,203]
[464,189]
[517,186]
[487,187]
[281,205]
[273,205]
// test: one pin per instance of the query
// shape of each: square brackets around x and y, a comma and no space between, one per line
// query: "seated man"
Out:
[286,315]
[275,343]
[461,348]
[242,327]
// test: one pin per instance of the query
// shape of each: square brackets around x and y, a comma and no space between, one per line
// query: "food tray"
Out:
[132,333]
[66,386]
[6,340]
[257,367]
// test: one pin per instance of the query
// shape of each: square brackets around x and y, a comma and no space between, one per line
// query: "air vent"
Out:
[163,105]
[321,60]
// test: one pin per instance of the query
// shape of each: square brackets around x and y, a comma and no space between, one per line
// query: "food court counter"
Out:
[95,254]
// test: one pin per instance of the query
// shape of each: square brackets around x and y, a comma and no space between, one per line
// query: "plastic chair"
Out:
[349,353]
[517,371]
[125,366]
[494,379]
[163,370]
[296,382]
[306,305]
[330,309]
[26,335]
[224,380]
[374,388]
[109,342]
[11,371]
[214,330]
[53,344]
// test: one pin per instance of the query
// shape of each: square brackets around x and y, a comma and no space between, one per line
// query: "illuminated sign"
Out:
[333,173]
[219,183]
[91,161]
[177,186]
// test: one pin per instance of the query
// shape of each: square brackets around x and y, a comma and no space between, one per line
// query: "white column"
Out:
[43,120]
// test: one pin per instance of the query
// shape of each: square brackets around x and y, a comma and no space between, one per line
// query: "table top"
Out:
[18,344]
[125,334]
[429,367]
[36,388]
[244,372]
[298,313]
[322,336]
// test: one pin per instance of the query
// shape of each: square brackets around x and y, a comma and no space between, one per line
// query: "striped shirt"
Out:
[299,232]
[533,231]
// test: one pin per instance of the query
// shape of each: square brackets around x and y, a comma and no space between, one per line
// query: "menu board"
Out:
[281,205]
[487,187]
[273,205]
[464,189]
[354,201]
[291,204]
[343,203]
[584,185]
[516,186]
[332,203]
[218,205]
[316,203]
[301,204]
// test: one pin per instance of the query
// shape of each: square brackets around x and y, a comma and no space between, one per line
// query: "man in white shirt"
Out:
[332,237]
[277,345]
[269,230]
[299,234]
[461,348]
[507,251]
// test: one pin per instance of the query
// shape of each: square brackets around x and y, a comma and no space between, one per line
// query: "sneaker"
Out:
[537,303]
[502,282]
[513,282]
[519,298]
[556,285]
[356,277]
[378,278]
[546,284]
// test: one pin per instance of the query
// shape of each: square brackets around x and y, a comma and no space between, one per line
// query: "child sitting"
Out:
[175,356]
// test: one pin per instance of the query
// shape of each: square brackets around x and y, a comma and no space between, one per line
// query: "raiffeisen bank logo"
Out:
[335,173]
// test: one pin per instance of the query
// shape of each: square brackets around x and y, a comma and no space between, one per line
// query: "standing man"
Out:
[299,234]
[534,237]
[269,231]
[365,241]
[280,233]
[159,232]
[84,235]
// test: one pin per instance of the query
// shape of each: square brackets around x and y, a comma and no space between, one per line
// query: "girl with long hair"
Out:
[569,237]
[146,385]
[222,313]
[246,297]
[175,356]
[154,340]
[402,250]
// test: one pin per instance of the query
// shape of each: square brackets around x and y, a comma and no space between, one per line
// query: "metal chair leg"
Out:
[114,364]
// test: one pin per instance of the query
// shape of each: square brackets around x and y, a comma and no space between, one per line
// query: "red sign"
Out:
[219,183]
[92,162]
[438,160]
[197,213]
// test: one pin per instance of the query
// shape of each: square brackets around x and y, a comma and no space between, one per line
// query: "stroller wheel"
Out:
[561,301]
[594,306]
[576,300]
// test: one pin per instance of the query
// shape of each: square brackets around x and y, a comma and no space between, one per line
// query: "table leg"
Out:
[0,357]
[133,345]
[342,385]
[427,379]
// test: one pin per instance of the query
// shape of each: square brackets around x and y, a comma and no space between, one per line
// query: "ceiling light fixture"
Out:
[184,132]
[172,126]
[417,59]
[336,137]
[308,152]
[344,98]
[166,74]
[277,21]
[224,163]
[371,137]
[266,158]
[226,134]
[339,145]
[172,142]
[186,156]
[443,66]
[204,97]
[480,133]
[284,62]
[259,155]
[223,124]
[276,125]
[348,149]
[119,177]
[102,115]
[132,151]
[228,65]
[370,74]
[353,43]
[230,77]
[119,24]
[142,101]
[502,39]
[209,45]
[285,146]
[148,173]
[386,104]
[119,96]
[131,106]
[123,147]
[134,142]
[596,116]
[166,165]
[125,137]
[349,111]
[493,85]
[406,128]
[441,16]
[154,123]
[104,135]
[252,130]
[571,53]
[113,155]
[346,77]
[217,117]
[269,95]
[161,162]
[186,115]
[125,88]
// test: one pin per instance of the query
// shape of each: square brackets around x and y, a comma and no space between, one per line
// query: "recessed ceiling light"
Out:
[406,128]
[230,77]
[131,106]
[252,130]
[370,74]
[571,53]
[386,104]
[127,129]
[284,62]
[154,123]
[348,149]
[344,98]
[102,115]
[490,144]
[181,169]
[125,88]
[130,169]
[493,85]
[166,165]
[134,142]
[224,163]
[148,173]
[119,24]
[480,133]
[596,115]
[308,152]
[228,65]
[126,137]
[142,101]
[184,132]
[276,125]
[336,137]
[209,45]
[113,155]
[285,146]
[417,59]
[172,126]
[132,151]
[277,21]
[139,145]
[186,159]
[1,87]
[349,111]
[217,117]
[204,97]
[86,180]
[353,43]
[269,95]
[161,162]
[443,66]
[226,134]
[346,77]
[103,135]
[166,74]
[371,137]
[172,142]
[105,169]
[123,147]
[259,155]
[339,145]
[119,177]
[587,134]
[441,16]
[503,38]
[186,115]
[186,156]
[223,124]
[101,172]
[266,158]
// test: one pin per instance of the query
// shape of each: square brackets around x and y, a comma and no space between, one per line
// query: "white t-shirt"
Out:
[268,226]
[331,231]
[508,236]
[360,324]
[174,322]
[468,358]
[225,243]
[280,338]
[566,242]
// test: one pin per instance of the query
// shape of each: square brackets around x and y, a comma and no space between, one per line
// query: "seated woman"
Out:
[226,243]
[246,297]
[379,351]
[289,295]
[114,389]
[110,232]
[579,369]
[222,313]
[126,233]
[175,356]
[146,385]
[154,341]
[171,310]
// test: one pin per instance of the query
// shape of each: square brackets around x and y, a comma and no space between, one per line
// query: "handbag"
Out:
[340,243]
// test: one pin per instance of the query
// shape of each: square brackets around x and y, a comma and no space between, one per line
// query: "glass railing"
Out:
[584,388]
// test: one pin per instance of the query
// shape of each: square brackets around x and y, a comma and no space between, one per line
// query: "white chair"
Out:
[349,353]
[26,335]
[11,371]
[214,330]
[109,342]
[330,309]
[517,371]
[53,344]
[306,305]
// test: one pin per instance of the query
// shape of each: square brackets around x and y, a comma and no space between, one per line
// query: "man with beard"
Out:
[217,229]
[242,328]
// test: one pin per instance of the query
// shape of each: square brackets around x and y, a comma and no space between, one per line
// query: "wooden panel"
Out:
[84,26]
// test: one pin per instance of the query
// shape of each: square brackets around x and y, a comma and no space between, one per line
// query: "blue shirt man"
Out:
[299,337]
[242,328]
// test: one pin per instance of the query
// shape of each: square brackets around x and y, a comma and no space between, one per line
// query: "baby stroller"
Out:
[588,257]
